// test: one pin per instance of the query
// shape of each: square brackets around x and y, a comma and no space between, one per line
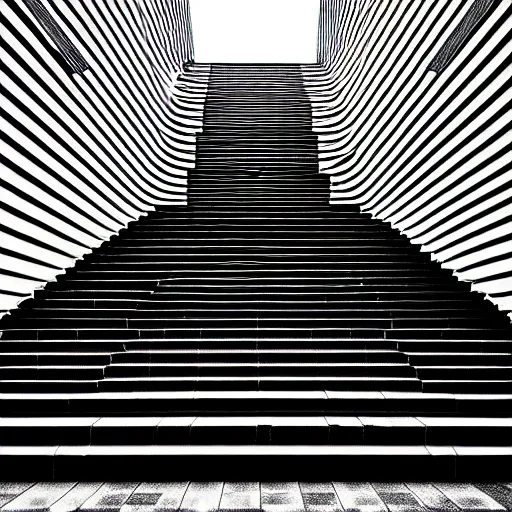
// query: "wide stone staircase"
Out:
[256,333]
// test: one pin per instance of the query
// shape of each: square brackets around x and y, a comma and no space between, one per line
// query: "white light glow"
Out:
[255,31]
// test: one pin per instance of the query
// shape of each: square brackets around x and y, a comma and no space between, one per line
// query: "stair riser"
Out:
[51,373]
[251,333]
[38,360]
[232,273]
[173,312]
[357,467]
[274,369]
[305,357]
[465,373]
[240,384]
[184,343]
[406,308]
[262,242]
[257,261]
[266,435]
[269,405]
[293,322]
[305,250]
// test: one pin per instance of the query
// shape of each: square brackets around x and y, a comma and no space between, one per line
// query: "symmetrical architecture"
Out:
[266,272]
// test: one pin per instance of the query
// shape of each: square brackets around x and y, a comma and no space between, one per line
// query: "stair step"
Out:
[256,355]
[53,372]
[236,383]
[253,463]
[39,359]
[259,369]
[256,329]
[251,332]
[281,402]
[147,310]
[403,307]
[255,430]
[475,359]
[447,326]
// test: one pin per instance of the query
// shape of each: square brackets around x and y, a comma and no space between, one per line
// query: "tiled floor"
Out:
[253,496]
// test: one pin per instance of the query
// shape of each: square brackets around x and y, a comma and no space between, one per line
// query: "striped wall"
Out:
[99,123]
[410,105]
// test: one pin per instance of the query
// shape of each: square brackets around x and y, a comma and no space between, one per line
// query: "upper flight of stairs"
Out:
[260,316]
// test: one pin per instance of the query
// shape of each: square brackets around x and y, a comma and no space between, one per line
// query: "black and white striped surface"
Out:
[257,297]
[258,329]
[99,125]
[410,106]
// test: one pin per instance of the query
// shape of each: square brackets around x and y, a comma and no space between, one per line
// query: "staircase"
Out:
[258,330]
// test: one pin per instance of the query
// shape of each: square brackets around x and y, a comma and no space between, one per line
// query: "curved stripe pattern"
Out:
[99,121]
[410,105]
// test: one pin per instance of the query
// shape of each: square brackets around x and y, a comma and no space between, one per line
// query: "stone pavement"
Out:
[253,496]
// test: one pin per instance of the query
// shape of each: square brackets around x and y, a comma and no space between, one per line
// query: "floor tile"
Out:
[110,497]
[240,496]
[11,490]
[359,497]
[76,497]
[499,492]
[397,497]
[39,498]
[154,497]
[281,497]
[202,497]
[468,498]
[319,497]
[432,498]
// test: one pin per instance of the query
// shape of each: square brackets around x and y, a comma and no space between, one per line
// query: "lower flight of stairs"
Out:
[256,447]
[257,333]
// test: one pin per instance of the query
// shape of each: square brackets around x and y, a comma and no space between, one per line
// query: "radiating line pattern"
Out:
[72,56]
[410,105]
[99,121]
[459,35]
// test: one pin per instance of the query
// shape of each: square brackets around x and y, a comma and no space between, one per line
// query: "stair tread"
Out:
[258,274]
[257,450]
[235,378]
[229,420]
